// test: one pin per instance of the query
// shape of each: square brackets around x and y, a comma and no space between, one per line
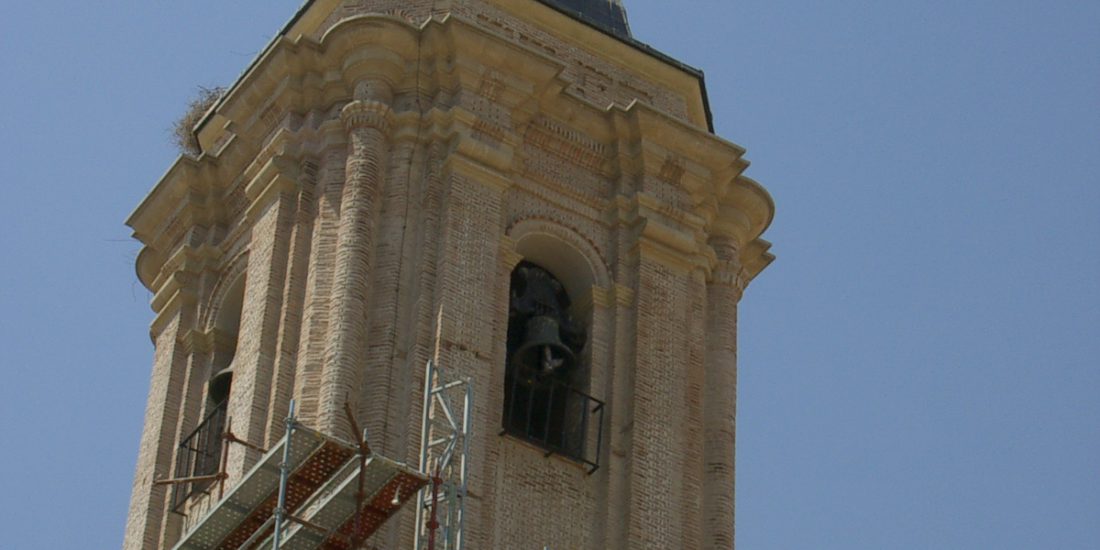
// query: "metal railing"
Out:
[557,417]
[199,456]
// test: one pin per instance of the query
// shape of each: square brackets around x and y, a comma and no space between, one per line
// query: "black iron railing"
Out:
[199,456]
[557,417]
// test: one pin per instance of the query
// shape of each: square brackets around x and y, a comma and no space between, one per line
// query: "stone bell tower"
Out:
[517,189]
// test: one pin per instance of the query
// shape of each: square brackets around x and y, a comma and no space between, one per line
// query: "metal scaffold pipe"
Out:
[284,478]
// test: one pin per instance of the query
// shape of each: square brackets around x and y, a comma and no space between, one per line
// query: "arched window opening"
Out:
[199,454]
[545,376]
[227,327]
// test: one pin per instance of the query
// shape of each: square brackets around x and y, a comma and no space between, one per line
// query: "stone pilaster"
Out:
[294,292]
[619,437]
[196,378]
[465,292]
[660,393]
[425,218]
[693,371]
[149,502]
[272,215]
[316,307]
[659,437]
[603,371]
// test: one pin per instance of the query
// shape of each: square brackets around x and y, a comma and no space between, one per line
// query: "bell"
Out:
[542,350]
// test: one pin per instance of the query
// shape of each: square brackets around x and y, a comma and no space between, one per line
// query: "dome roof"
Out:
[607,15]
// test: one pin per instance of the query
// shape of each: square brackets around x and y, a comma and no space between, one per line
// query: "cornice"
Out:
[177,302]
[206,341]
[629,57]
[746,211]
[300,76]
[755,257]
[279,175]
[655,238]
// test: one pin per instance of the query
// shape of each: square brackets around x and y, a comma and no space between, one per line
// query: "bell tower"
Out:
[515,190]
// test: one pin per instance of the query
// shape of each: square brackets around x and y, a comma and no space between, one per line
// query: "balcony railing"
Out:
[557,417]
[199,456]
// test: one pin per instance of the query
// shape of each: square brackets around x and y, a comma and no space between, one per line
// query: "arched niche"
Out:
[545,404]
[225,330]
[571,258]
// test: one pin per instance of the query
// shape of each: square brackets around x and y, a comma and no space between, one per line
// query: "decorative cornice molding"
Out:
[279,175]
[176,303]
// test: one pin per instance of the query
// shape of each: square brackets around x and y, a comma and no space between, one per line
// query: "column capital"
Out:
[367,113]
[728,269]
[730,274]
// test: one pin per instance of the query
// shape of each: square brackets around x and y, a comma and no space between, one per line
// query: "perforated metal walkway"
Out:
[322,498]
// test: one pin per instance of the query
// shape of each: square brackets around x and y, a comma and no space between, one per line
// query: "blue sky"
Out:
[920,368]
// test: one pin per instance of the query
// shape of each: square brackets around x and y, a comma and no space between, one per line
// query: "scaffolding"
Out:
[310,491]
[444,448]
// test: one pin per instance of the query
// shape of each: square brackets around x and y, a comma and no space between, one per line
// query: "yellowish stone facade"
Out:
[385,162]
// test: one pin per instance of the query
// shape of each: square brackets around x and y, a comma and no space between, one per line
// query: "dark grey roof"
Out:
[607,15]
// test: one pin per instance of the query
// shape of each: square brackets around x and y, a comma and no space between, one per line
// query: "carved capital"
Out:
[725,249]
[728,269]
[729,273]
[367,113]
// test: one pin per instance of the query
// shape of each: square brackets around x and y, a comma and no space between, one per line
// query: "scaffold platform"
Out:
[337,519]
[324,506]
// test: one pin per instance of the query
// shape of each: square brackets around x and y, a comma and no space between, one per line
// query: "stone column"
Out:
[367,120]
[720,398]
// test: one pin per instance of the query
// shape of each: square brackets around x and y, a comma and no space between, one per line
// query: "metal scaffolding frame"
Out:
[216,426]
[444,448]
[309,492]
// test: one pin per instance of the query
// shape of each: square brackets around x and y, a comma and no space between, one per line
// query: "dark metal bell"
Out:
[542,350]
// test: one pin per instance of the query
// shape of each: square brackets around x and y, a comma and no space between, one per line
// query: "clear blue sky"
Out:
[920,368]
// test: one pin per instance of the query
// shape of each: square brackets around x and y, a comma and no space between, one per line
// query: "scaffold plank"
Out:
[338,519]
[314,458]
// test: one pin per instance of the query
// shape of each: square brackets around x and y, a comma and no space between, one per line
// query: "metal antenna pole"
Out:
[284,479]
[464,467]
[425,434]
